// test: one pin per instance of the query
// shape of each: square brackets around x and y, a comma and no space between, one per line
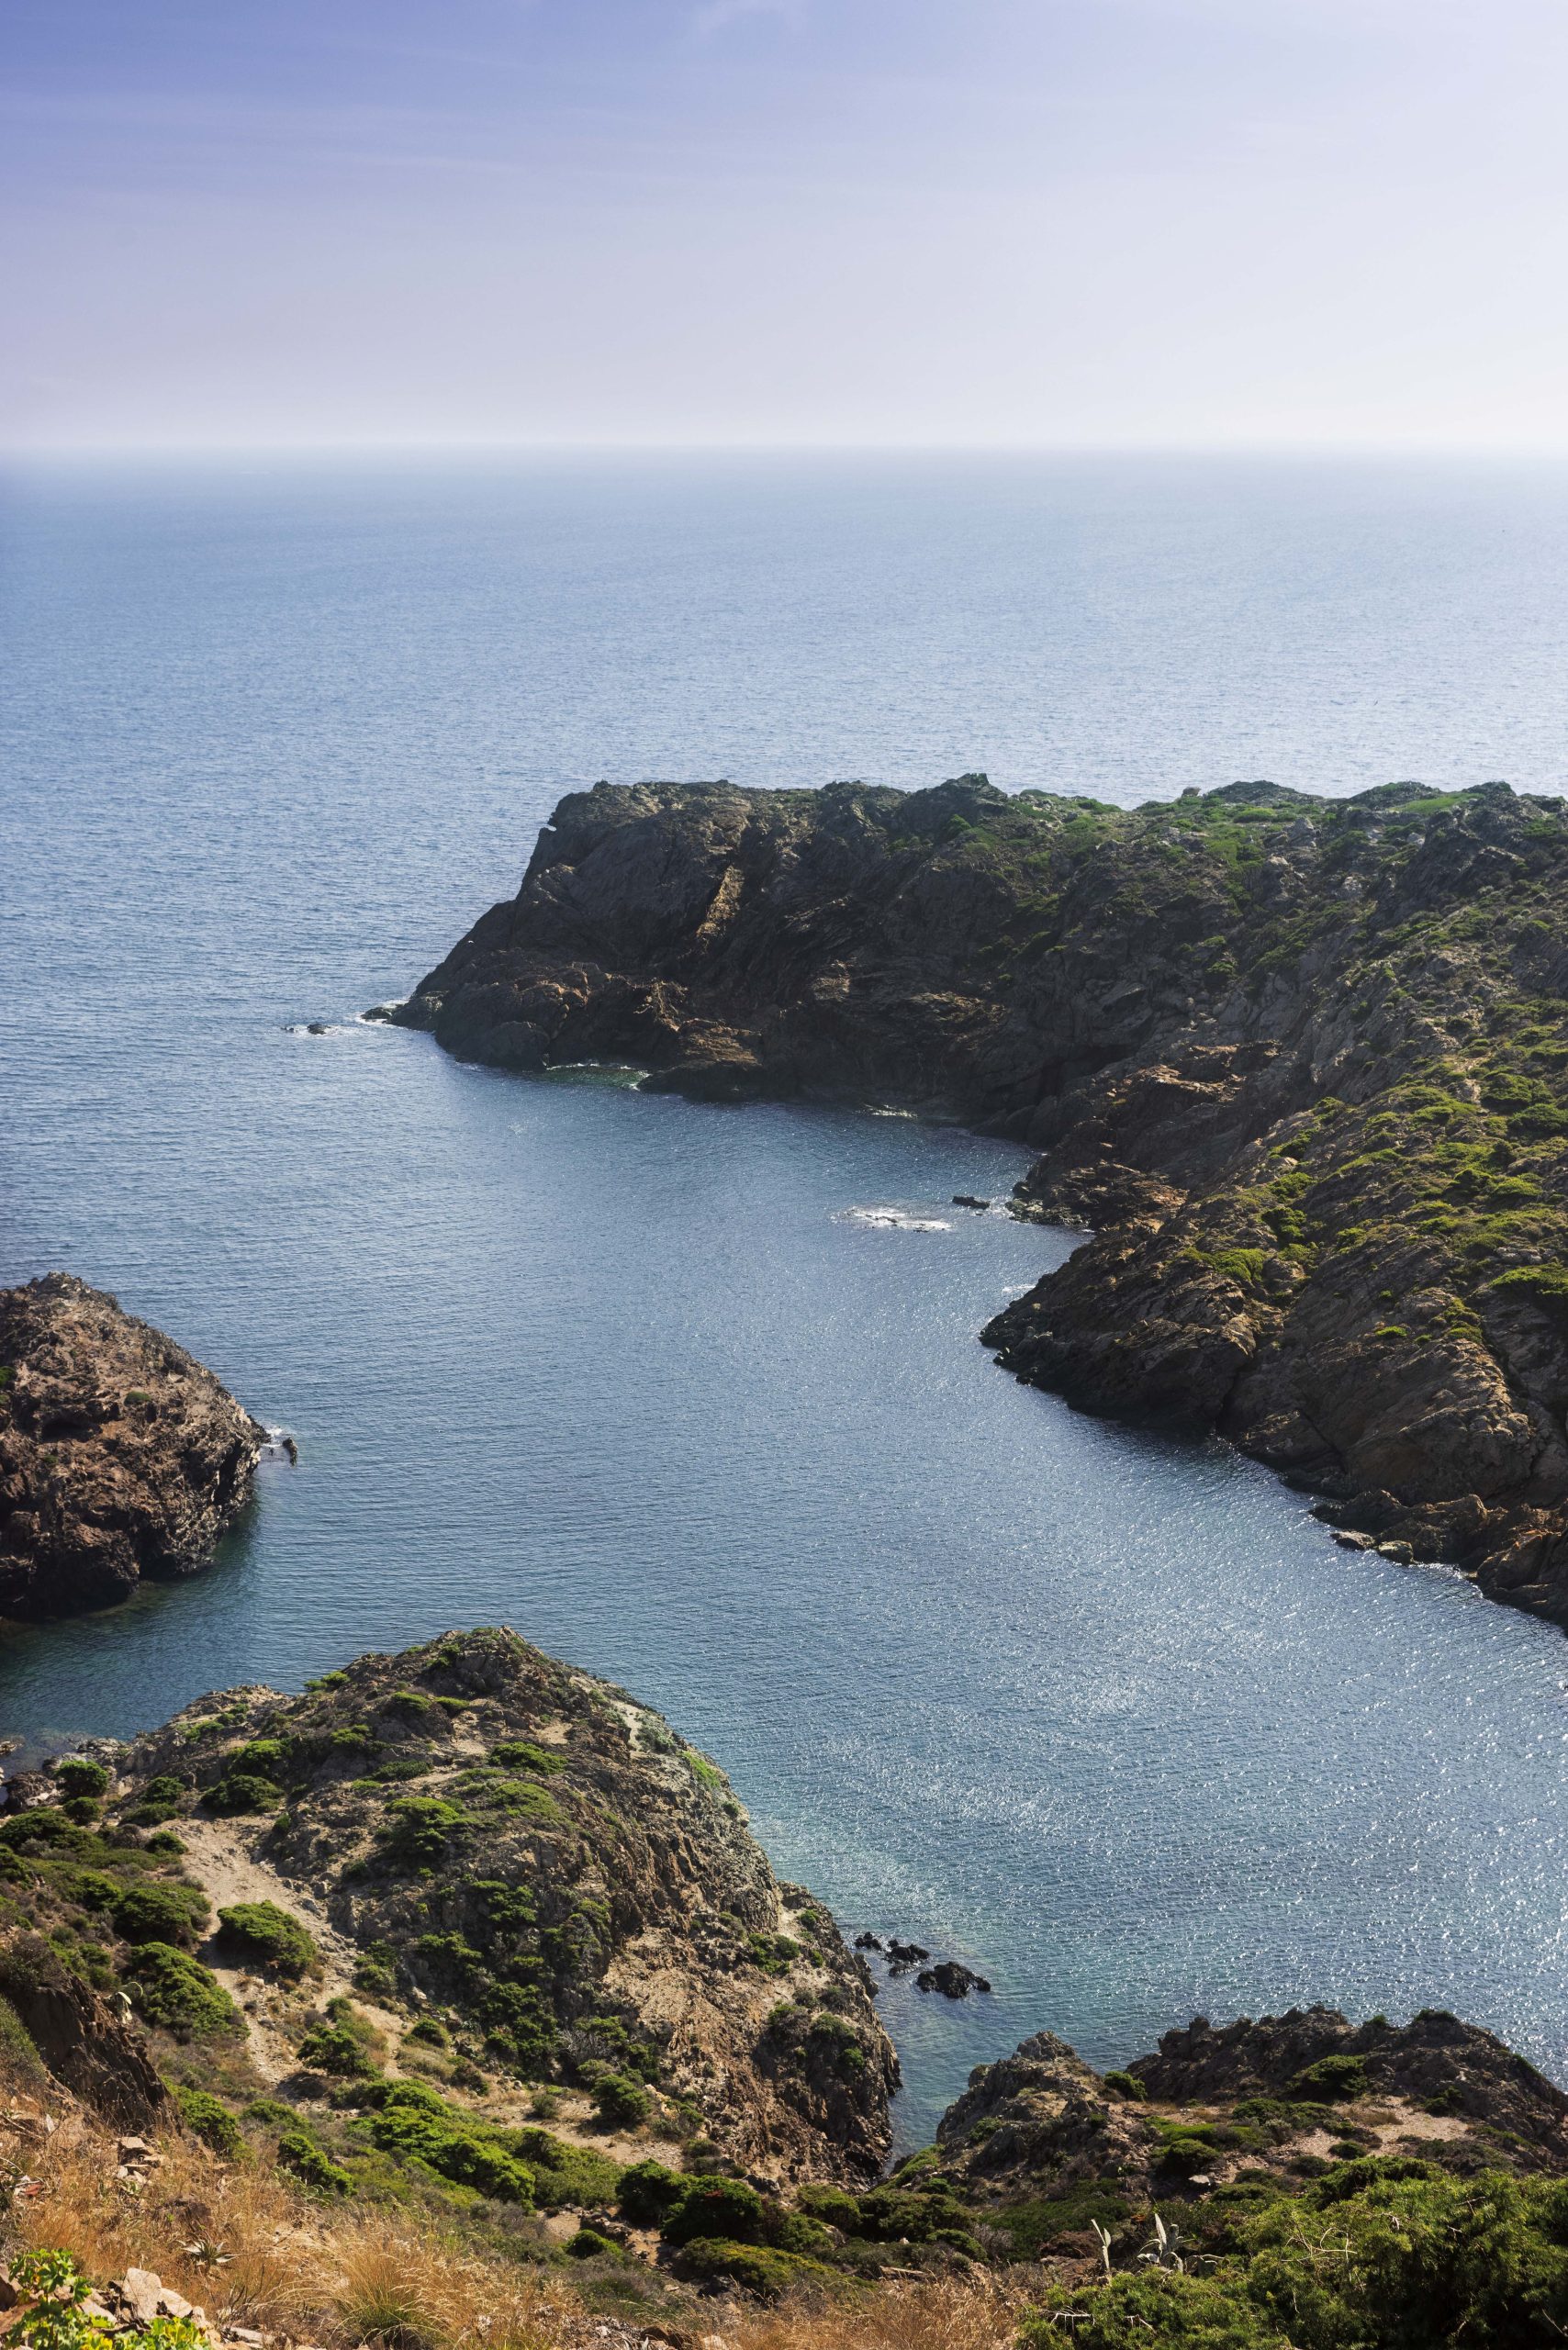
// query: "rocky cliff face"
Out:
[1269,2102]
[121,1456]
[1301,1064]
[534,1854]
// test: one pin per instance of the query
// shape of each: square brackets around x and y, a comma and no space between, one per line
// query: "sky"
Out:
[903,223]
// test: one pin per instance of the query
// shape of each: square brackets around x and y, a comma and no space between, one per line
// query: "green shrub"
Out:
[725,2208]
[835,2205]
[1331,2081]
[619,2103]
[796,2232]
[764,2273]
[891,2214]
[648,2192]
[564,2176]
[522,1754]
[44,1831]
[161,1799]
[162,1913]
[18,2055]
[409,2120]
[89,1889]
[1147,2310]
[78,1776]
[589,2244]
[179,1993]
[211,2120]
[339,2044]
[264,1933]
[775,1954]
[1388,2253]
[1126,2085]
[422,1833]
[376,1971]
[301,2154]
[240,1792]
[271,2112]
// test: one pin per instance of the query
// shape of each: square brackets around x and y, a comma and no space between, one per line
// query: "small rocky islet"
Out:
[122,1457]
[470,1927]
[1300,1064]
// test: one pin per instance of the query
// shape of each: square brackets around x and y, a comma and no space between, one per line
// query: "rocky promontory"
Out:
[121,1456]
[1299,1064]
[494,1871]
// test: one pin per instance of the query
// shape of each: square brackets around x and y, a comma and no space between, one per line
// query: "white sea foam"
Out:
[895,1220]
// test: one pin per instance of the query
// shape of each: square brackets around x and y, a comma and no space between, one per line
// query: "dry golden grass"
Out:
[287,2266]
[951,2313]
[313,2273]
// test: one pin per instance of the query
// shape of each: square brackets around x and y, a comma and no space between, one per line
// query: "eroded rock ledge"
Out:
[121,1456]
[1301,1064]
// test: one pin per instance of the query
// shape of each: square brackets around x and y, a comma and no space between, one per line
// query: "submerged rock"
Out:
[121,1456]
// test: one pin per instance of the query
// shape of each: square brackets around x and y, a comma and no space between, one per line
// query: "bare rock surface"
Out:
[80,2036]
[121,1456]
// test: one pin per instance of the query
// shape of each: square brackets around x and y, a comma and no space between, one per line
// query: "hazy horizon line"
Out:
[25,452]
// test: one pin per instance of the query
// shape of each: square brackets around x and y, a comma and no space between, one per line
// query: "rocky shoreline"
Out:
[468,1931]
[1299,1065]
[121,1457]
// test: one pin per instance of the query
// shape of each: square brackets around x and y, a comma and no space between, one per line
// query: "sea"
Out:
[691,1393]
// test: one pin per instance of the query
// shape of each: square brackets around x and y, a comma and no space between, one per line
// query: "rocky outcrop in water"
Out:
[121,1456]
[1300,1064]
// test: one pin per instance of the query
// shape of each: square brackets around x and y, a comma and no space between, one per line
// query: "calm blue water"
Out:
[1108,1715]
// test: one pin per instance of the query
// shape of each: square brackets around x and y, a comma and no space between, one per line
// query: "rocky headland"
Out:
[501,1872]
[1299,1065]
[121,1456]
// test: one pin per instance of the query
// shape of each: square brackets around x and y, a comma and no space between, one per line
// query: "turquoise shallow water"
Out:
[1103,1712]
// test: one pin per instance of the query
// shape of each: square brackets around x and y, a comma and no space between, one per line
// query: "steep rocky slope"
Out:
[504,1872]
[121,1456]
[1301,1064]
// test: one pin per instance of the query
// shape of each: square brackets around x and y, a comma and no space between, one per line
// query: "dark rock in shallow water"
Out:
[954,1982]
[968,1199]
[121,1456]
